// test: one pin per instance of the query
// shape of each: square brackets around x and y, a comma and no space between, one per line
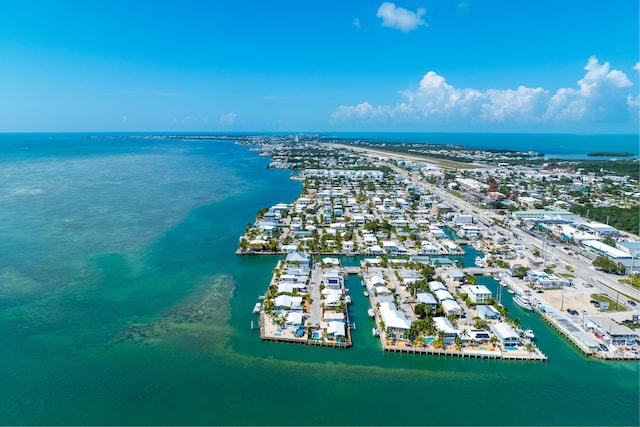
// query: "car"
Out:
[632,303]
[603,347]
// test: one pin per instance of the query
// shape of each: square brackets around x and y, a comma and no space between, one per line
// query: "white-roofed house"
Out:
[443,325]
[333,279]
[435,286]
[336,330]
[394,320]
[443,295]
[298,258]
[288,302]
[376,279]
[428,299]
[505,333]
[451,307]
[478,294]
[456,274]
[294,319]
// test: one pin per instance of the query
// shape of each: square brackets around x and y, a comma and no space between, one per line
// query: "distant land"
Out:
[610,154]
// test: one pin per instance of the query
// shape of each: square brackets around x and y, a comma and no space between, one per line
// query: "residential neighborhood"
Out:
[407,225]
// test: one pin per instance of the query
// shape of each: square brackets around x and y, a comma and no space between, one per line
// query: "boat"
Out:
[375,332]
[371,313]
[528,334]
[256,308]
[366,294]
[523,302]
[347,299]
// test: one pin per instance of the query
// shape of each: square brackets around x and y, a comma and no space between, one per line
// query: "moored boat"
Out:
[528,334]
[256,308]
[371,313]
[523,301]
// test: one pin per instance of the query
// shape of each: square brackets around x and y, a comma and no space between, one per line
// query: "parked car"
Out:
[603,347]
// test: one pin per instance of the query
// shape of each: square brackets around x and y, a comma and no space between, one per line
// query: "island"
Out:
[409,220]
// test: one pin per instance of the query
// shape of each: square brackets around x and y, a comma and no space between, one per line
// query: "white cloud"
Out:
[400,18]
[602,96]
[637,66]
[228,118]
[356,22]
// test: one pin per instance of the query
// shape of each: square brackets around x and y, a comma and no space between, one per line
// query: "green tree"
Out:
[422,310]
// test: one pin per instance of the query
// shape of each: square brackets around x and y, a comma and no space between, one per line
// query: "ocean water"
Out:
[122,303]
[556,146]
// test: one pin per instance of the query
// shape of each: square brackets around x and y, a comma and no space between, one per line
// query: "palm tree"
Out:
[516,322]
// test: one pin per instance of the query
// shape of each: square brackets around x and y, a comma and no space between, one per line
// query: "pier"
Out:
[468,353]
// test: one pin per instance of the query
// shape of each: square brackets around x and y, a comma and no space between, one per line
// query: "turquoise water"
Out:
[122,303]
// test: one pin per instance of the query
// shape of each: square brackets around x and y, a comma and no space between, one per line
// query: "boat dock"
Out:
[474,354]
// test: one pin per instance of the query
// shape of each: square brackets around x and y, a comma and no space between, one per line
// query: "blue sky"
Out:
[319,66]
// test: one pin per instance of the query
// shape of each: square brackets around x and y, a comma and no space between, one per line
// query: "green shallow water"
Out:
[122,303]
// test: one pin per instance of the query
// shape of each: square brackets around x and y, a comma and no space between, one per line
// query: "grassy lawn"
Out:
[612,303]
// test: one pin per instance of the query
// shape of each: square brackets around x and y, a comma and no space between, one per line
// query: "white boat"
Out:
[347,299]
[366,294]
[256,308]
[371,313]
[528,334]
[375,332]
[523,302]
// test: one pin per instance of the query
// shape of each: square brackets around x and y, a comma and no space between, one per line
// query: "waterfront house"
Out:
[470,231]
[283,302]
[336,330]
[376,279]
[332,298]
[478,294]
[613,332]
[487,312]
[428,248]
[347,246]
[333,279]
[444,325]
[294,319]
[333,316]
[394,320]
[298,258]
[292,287]
[505,333]
[475,335]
